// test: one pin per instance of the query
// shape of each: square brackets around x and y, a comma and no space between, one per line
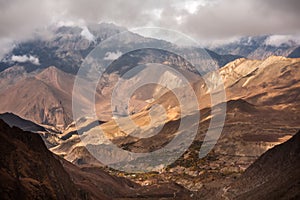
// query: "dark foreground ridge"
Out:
[275,175]
[28,170]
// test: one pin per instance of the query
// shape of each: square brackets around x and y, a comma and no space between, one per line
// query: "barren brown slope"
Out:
[44,98]
[274,81]
[253,125]
[275,175]
[12,75]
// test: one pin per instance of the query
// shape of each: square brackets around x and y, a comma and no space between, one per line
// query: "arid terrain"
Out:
[49,153]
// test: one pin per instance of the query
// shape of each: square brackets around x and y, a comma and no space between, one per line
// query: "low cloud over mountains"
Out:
[204,20]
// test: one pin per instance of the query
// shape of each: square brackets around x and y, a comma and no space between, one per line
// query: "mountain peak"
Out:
[51,69]
[50,73]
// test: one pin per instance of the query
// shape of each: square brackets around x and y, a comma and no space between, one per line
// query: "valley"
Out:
[135,146]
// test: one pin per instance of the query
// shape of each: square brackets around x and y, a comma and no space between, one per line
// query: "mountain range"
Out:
[258,47]
[46,157]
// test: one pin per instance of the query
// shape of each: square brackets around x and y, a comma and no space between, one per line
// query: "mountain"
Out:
[65,48]
[49,64]
[262,111]
[50,101]
[256,47]
[249,79]
[44,98]
[223,59]
[274,175]
[26,175]
[48,135]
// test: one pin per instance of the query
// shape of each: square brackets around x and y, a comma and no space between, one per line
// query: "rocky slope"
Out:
[250,80]
[29,171]
[262,111]
[43,98]
[274,175]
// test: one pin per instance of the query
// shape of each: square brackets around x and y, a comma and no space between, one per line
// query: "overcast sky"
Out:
[200,19]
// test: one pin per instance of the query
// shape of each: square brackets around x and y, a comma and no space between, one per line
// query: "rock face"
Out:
[275,175]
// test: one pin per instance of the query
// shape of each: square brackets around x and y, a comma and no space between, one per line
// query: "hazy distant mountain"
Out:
[256,47]
[65,49]
[295,53]
[69,45]
[223,59]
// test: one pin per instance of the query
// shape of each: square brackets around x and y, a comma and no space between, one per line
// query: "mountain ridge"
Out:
[274,175]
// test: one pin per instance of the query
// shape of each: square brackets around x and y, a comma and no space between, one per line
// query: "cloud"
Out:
[201,19]
[228,18]
[112,55]
[20,20]
[277,40]
[87,34]
[25,58]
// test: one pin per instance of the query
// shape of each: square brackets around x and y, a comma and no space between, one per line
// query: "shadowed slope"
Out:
[275,175]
